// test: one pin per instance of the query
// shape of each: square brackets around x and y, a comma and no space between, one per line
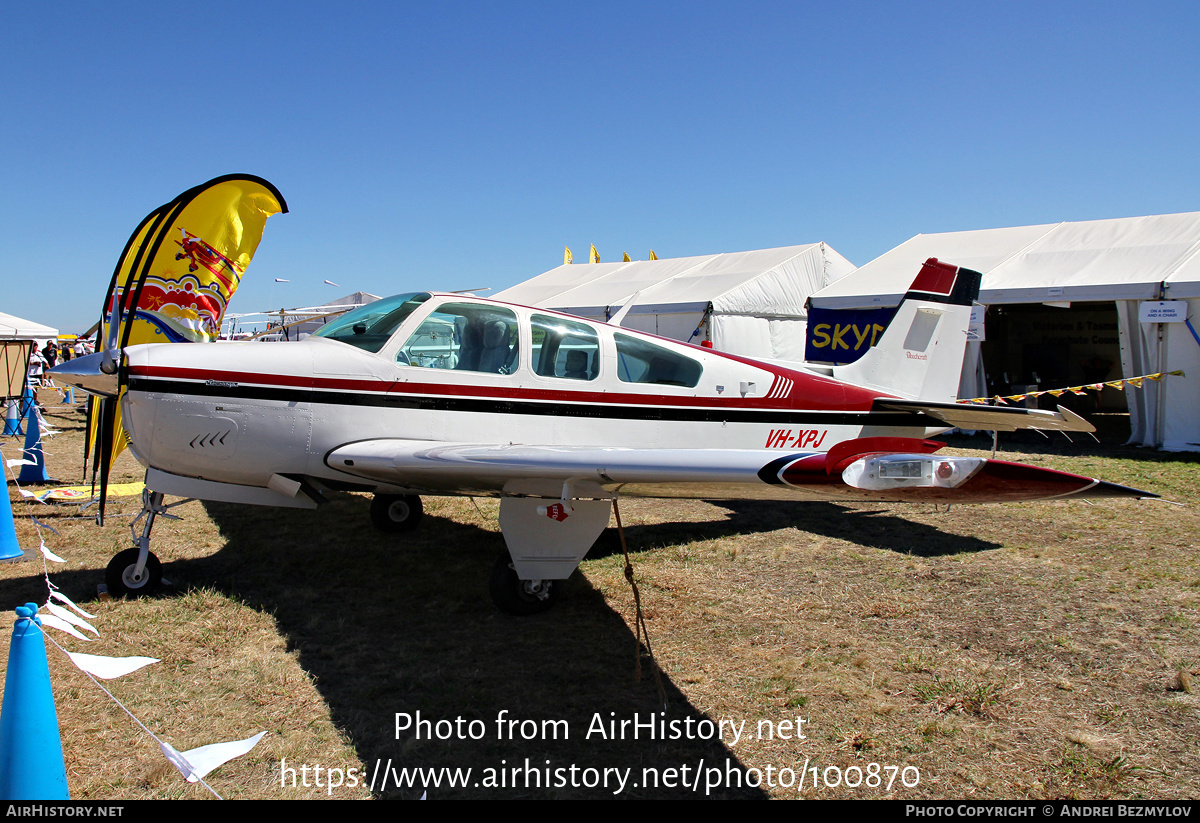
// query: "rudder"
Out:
[920,355]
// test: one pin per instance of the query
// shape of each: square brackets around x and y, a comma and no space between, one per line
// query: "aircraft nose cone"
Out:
[85,373]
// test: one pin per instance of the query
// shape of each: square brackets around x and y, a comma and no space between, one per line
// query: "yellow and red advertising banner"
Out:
[176,276]
[185,261]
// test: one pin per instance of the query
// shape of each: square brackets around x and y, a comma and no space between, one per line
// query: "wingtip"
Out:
[1104,488]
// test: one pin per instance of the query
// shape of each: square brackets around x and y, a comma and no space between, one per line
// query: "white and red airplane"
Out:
[449,394]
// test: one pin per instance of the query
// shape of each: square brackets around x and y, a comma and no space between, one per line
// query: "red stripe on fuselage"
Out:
[817,393]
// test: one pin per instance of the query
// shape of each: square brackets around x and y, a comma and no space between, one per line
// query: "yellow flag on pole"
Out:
[567,259]
[594,257]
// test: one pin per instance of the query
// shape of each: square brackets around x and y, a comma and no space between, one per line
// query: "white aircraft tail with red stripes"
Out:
[920,356]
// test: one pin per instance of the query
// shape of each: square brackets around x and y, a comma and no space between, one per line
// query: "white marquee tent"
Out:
[17,336]
[750,303]
[16,328]
[1125,260]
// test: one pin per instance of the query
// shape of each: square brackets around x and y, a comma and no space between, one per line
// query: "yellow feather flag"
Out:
[653,256]
[186,260]
[594,257]
[567,259]
[177,274]
[626,258]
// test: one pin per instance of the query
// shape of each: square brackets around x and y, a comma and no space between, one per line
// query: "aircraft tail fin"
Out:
[920,356]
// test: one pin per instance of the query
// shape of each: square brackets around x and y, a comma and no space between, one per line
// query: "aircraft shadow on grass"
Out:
[403,624]
[872,528]
[387,625]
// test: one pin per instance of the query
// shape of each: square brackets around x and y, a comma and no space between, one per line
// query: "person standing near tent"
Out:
[37,368]
[50,352]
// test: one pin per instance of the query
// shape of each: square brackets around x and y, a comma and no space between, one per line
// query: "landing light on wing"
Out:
[892,471]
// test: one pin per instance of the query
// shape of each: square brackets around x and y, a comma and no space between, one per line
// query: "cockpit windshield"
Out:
[371,326]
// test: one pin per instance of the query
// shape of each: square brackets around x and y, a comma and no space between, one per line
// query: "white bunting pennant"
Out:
[60,612]
[49,555]
[194,764]
[107,668]
[62,598]
[62,625]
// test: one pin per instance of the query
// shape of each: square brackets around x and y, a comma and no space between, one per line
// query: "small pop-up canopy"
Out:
[750,303]
[17,338]
[1126,261]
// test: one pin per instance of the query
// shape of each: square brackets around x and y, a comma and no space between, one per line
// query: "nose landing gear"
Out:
[137,572]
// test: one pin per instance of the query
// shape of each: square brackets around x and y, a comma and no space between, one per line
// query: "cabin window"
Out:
[369,327]
[465,337]
[565,348]
[642,362]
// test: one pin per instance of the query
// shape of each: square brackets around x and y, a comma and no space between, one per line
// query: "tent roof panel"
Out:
[1118,259]
[727,279]
[18,328]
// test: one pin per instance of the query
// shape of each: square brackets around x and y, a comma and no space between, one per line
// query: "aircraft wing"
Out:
[868,469]
[992,418]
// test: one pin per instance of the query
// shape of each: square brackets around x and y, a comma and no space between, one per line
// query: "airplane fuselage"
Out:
[243,412]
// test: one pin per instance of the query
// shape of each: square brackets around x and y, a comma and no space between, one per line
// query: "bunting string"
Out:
[1119,385]
[194,764]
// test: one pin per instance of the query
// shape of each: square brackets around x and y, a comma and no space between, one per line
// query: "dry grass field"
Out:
[1022,651]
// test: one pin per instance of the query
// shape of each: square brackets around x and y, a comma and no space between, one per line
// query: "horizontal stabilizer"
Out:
[991,418]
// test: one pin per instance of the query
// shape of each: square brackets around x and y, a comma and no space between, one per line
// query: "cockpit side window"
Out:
[641,362]
[465,337]
[565,348]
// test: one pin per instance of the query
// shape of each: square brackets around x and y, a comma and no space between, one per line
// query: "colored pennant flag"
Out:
[626,259]
[1136,382]
[594,256]
[567,258]
[653,256]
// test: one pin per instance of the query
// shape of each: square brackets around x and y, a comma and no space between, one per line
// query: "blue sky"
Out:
[455,145]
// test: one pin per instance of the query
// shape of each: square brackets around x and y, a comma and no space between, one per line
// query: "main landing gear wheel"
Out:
[396,513]
[520,597]
[124,581]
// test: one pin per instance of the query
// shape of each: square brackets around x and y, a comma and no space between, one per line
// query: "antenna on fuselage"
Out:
[616,319]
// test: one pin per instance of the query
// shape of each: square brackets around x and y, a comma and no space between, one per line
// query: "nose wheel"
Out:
[137,572]
[126,579]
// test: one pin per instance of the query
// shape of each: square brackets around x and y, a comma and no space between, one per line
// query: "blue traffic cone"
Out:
[33,450]
[12,418]
[31,757]
[9,548]
[69,396]
[26,402]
